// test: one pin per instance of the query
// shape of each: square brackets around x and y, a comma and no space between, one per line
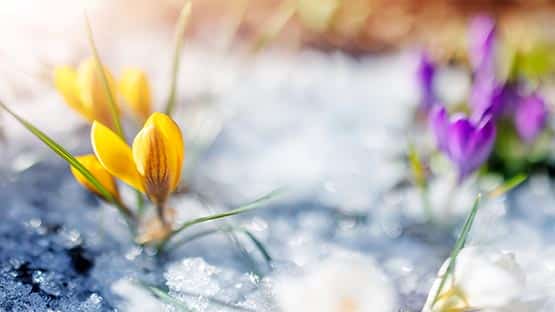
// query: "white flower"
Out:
[489,281]
[339,284]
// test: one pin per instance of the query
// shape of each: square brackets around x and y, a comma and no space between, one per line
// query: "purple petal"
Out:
[439,121]
[425,74]
[482,44]
[480,145]
[530,117]
[488,98]
[459,133]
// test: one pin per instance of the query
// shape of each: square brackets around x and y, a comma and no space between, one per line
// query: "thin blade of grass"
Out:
[251,262]
[250,206]
[104,78]
[507,186]
[257,243]
[459,244]
[140,203]
[176,61]
[71,160]
[165,297]
[238,15]
[259,246]
[219,302]
[168,299]
[275,25]
[111,99]
[232,237]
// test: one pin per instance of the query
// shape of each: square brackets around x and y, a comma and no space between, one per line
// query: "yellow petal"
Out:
[155,164]
[135,89]
[65,81]
[115,155]
[104,177]
[172,134]
[92,92]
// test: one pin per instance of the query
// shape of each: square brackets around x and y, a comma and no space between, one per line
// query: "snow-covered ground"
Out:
[330,128]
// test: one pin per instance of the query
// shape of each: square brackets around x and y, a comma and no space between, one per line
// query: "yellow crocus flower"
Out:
[152,165]
[90,162]
[135,89]
[83,90]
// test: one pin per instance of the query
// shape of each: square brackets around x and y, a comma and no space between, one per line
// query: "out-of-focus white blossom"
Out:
[485,280]
[339,284]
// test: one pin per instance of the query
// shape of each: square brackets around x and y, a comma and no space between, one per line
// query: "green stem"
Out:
[140,203]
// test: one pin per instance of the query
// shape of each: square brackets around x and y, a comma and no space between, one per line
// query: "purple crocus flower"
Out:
[465,143]
[530,117]
[481,38]
[425,73]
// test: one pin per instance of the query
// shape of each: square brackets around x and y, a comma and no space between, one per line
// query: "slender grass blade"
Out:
[71,160]
[165,297]
[256,242]
[176,61]
[275,25]
[104,78]
[459,244]
[245,208]
[507,186]
[259,246]
[250,206]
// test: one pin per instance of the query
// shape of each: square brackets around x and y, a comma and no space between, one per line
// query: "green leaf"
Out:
[275,25]
[179,38]
[250,206]
[71,160]
[103,77]
[507,186]
[459,244]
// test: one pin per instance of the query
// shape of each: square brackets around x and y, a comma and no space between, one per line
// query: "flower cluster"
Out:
[83,90]
[496,105]
[152,165]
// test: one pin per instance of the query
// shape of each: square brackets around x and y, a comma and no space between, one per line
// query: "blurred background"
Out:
[354,26]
